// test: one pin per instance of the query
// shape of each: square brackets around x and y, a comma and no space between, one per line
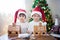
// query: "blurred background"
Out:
[9,7]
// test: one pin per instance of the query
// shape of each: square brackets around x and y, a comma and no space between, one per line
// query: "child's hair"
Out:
[22,15]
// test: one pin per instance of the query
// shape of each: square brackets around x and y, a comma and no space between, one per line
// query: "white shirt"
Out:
[31,25]
[24,26]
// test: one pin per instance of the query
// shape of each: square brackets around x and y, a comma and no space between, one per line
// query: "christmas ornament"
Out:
[46,4]
[56,28]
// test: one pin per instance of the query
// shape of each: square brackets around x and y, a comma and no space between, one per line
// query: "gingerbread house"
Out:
[39,30]
[13,30]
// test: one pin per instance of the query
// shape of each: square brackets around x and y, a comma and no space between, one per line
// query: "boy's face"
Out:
[36,17]
[22,17]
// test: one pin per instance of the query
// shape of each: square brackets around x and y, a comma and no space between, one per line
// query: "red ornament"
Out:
[46,4]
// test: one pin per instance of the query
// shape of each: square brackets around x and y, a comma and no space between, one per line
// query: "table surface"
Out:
[5,37]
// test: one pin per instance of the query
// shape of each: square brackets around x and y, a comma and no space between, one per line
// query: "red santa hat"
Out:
[39,11]
[36,11]
[17,14]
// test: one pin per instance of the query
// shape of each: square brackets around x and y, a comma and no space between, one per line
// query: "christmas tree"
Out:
[44,6]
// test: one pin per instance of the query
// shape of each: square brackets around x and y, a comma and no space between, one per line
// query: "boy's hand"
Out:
[14,24]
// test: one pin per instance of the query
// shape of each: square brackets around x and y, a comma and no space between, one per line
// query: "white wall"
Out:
[54,6]
[7,10]
[29,4]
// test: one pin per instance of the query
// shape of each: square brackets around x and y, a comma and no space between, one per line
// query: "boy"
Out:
[22,20]
[36,15]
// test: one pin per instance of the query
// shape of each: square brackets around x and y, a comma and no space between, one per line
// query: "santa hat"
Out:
[17,14]
[36,11]
[39,11]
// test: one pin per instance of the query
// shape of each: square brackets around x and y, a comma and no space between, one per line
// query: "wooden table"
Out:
[44,38]
[38,38]
[5,37]
[57,36]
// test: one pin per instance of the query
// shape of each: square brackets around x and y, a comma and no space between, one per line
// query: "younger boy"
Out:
[36,15]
